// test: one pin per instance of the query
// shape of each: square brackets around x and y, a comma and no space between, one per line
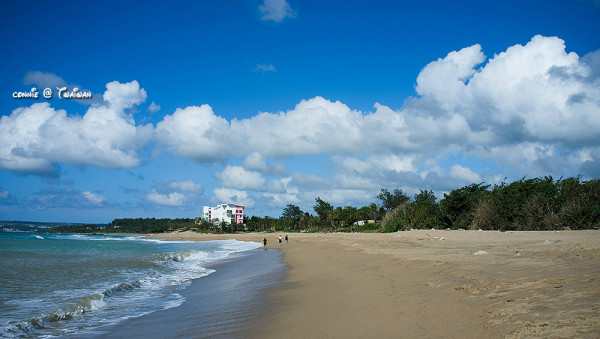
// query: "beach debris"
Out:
[517,254]
[447,229]
[442,238]
[480,252]
[480,230]
[354,245]
[546,242]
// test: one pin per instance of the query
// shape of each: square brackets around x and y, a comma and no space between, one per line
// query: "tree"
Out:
[373,209]
[424,210]
[392,200]
[350,215]
[458,208]
[292,212]
[323,209]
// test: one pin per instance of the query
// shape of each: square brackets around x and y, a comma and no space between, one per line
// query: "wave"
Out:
[49,320]
[93,237]
[138,293]
[181,256]
[45,323]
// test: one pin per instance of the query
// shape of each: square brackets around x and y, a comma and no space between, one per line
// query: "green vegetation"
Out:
[526,204]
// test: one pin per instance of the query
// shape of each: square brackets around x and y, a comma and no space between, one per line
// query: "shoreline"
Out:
[431,283]
[222,304]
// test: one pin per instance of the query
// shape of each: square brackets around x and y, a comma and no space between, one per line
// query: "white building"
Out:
[229,213]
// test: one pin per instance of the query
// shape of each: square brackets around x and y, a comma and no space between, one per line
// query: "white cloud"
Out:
[153,107]
[464,174]
[378,163]
[533,109]
[173,199]
[43,80]
[94,198]
[34,138]
[255,161]
[239,178]
[265,68]
[185,186]
[276,10]
[536,92]
[314,127]
[445,78]
[532,97]
[231,195]
[122,96]
[196,132]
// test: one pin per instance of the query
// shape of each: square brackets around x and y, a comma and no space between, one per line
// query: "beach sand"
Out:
[451,284]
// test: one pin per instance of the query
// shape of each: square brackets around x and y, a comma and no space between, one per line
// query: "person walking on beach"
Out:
[286,239]
[265,242]
[280,240]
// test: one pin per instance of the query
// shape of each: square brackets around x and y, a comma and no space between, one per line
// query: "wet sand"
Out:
[223,304]
[451,284]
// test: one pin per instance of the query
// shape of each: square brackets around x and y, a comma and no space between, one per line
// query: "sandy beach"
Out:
[452,284]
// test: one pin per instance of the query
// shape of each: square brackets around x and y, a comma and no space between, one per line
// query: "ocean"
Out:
[69,285]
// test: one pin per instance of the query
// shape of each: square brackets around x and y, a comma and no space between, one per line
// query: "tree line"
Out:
[525,204]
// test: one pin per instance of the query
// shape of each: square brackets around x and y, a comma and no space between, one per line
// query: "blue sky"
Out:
[267,103]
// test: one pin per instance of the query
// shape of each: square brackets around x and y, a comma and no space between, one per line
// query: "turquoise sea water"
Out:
[65,284]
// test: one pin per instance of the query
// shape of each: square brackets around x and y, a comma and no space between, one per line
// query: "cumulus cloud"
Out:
[525,93]
[276,10]
[122,96]
[196,132]
[255,161]
[34,138]
[185,186]
[184,193]
[232,195]
[535,96]
[239,178]
[532,110]
[94,198]
[464,174]
[174,199]
[153,107]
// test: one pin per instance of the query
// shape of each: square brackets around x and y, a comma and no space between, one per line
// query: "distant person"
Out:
[265,242]
[286,239]
[280,240]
